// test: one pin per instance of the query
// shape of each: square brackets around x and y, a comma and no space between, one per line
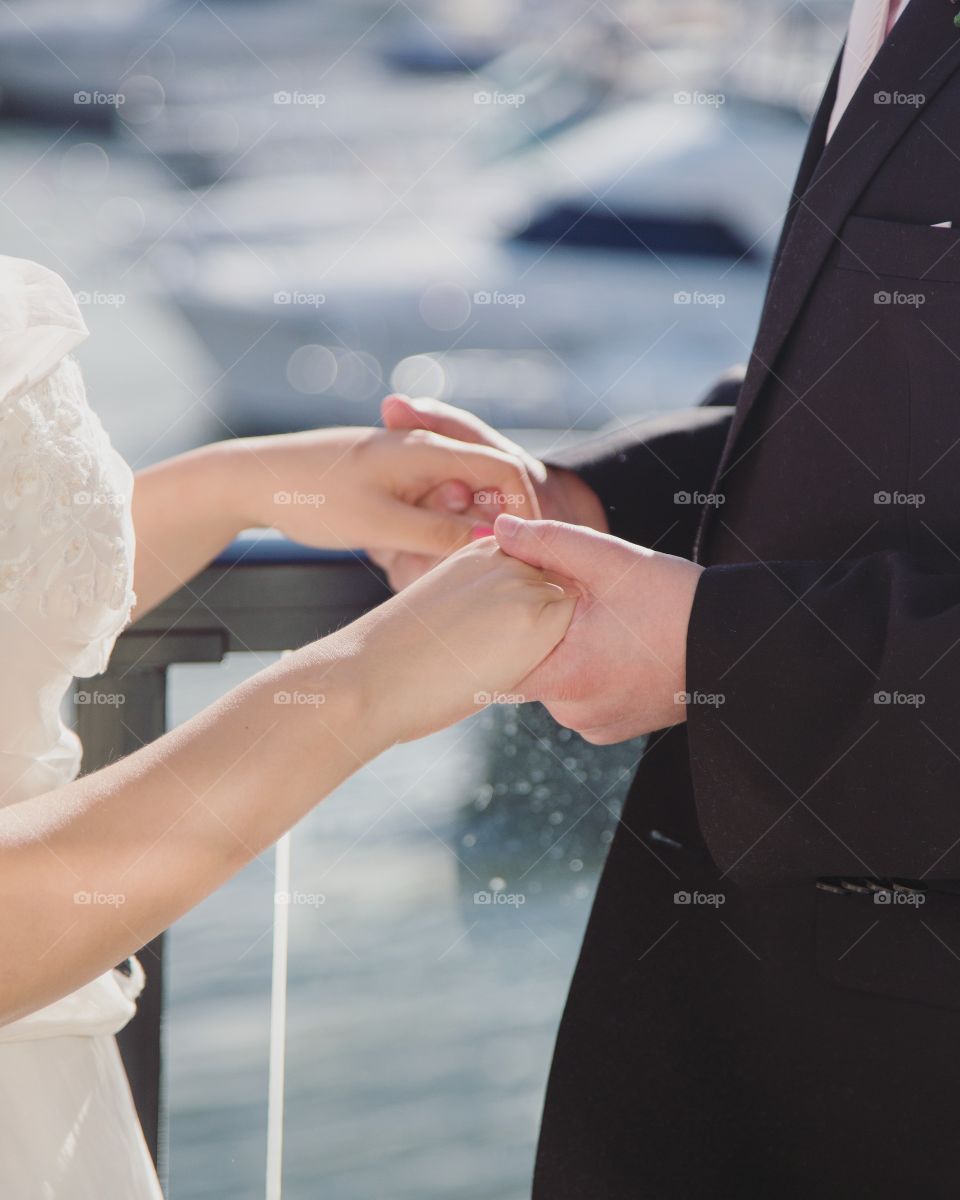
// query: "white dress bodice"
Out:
[67,1127]
[66,555]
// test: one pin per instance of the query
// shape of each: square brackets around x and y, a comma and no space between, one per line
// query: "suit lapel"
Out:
[920,54]
[808,163]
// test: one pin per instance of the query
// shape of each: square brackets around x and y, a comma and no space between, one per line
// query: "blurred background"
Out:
[559,215]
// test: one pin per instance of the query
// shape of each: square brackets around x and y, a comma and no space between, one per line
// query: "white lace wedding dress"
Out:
[68,1129]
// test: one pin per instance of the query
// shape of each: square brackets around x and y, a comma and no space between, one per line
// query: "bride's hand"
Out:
[460,638]
[353,487]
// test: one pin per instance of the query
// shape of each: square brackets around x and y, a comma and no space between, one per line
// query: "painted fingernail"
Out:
[480,531]
[454,500]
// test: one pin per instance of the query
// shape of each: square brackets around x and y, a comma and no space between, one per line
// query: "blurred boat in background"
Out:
[598,263]
[537,211]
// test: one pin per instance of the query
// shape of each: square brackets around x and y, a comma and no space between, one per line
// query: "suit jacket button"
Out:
[856,885]
[911,887]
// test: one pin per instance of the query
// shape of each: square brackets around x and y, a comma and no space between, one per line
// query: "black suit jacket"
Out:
[750,1014]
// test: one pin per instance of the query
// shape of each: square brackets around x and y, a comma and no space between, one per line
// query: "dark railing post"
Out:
[116,713]
[263,594]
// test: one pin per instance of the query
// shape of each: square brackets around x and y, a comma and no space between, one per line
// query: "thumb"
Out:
[571,550]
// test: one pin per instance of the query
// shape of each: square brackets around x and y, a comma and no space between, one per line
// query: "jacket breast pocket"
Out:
[892,945]
[925,254]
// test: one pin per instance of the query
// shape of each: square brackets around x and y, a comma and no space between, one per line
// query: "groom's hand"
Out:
[621,669]
[561,495]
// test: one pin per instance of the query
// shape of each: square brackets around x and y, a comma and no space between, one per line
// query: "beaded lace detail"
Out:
[65,538]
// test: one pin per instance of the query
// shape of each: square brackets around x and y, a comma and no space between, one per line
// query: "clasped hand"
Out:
[437,478]
[620,671]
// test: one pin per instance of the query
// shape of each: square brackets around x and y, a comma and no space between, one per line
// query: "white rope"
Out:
[278,1019]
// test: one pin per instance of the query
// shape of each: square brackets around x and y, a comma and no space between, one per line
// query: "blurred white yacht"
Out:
[624,261]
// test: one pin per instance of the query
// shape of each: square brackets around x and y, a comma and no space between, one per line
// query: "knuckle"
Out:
[419,437]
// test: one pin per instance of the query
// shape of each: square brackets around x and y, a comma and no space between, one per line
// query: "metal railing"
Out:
[262,594]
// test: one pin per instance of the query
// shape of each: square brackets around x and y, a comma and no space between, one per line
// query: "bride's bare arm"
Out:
[146,838]
[149,836]
[333,488]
